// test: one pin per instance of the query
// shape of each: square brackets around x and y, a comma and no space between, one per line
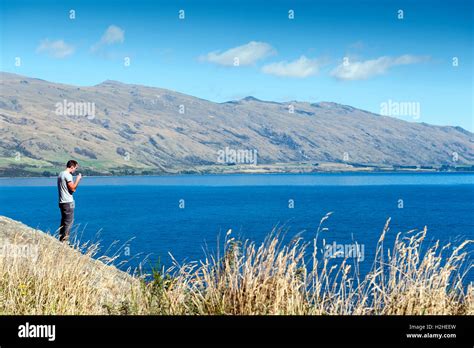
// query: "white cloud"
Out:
[247,54]
[299,68]
[112,35]
[56,49]
[362,70]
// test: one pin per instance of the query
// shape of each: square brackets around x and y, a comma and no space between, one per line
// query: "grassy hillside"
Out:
[272,278]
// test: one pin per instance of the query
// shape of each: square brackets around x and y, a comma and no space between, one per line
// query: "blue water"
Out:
[147,209]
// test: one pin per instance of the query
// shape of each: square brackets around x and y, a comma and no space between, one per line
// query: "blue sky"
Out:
[280,59]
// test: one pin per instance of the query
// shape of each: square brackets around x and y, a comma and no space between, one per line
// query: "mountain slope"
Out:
[150,129]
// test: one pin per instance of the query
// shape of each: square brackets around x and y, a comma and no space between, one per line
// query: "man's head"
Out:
[71,166]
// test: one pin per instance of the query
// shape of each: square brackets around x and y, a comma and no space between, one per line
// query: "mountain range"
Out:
[118,128]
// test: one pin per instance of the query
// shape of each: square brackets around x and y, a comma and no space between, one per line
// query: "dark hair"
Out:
[71,163]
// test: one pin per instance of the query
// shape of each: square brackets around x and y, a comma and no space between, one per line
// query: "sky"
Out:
[365,53]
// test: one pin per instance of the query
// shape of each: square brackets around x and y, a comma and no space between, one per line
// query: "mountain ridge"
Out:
[142,129]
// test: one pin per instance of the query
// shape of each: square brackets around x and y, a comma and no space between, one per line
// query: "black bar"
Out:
[242,330]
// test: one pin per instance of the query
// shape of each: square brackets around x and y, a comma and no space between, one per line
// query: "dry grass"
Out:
[54,278]
[271,278]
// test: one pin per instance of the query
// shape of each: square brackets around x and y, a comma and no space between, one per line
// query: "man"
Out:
[66,187]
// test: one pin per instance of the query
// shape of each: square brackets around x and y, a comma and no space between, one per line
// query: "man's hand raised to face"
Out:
[72,186]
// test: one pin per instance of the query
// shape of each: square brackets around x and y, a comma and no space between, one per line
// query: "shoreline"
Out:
[255,173]
[102,170]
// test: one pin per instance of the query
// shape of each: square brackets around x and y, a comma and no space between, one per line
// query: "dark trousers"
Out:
[67,218]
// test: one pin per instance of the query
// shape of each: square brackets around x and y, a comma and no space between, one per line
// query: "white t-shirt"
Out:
[65,196]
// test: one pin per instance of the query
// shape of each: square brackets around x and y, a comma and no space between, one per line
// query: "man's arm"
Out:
[73,185]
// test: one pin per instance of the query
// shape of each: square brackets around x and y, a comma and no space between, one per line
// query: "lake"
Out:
[185,214]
